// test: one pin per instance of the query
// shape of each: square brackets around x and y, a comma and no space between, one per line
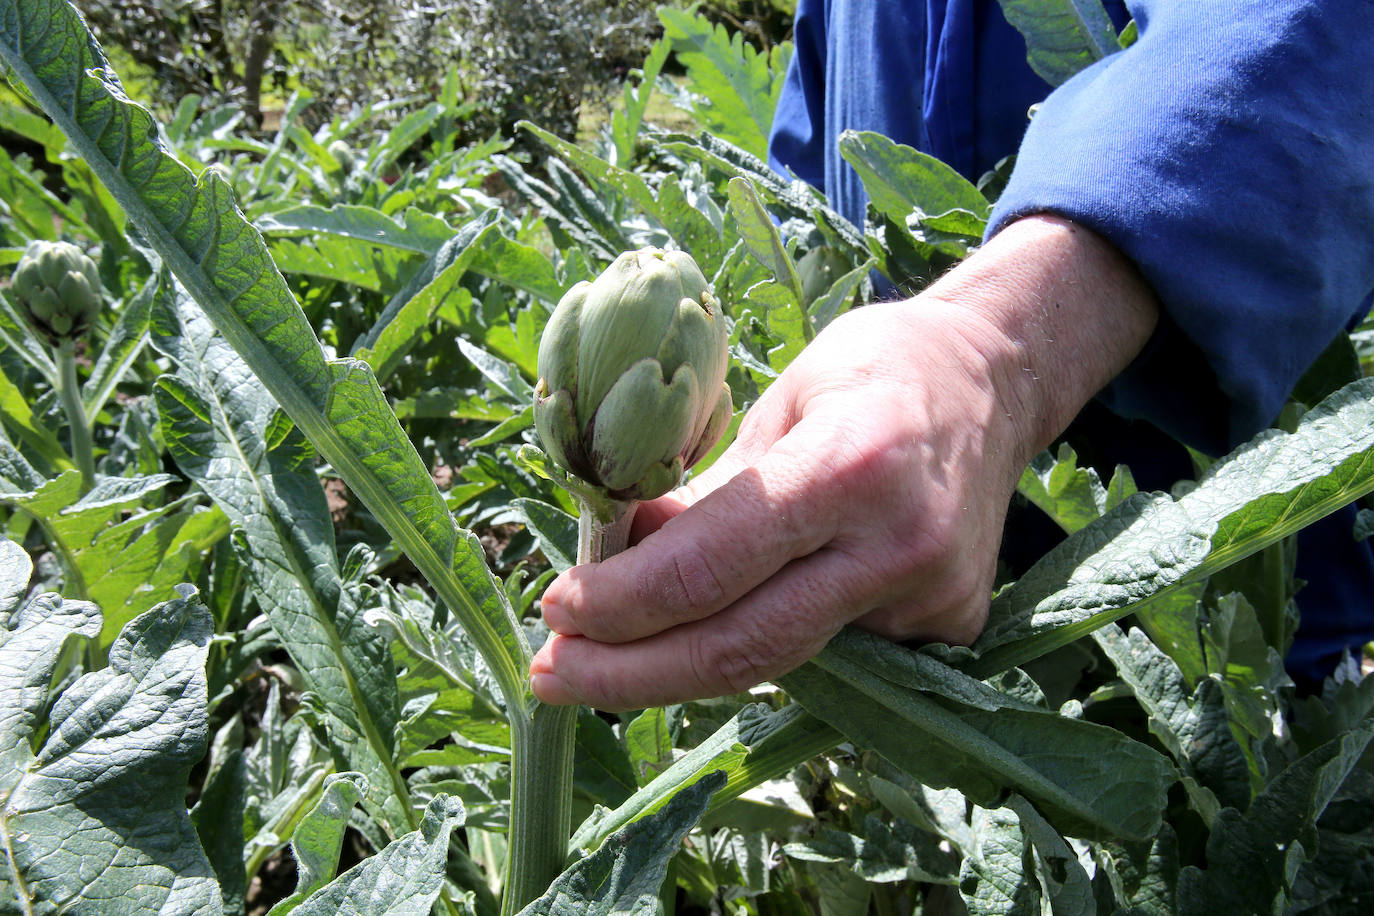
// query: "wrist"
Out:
[1055,312]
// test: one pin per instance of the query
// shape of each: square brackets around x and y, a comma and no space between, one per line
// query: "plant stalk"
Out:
[69,391]
[542,747]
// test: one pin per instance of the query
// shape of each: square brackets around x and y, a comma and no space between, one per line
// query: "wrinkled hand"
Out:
[868,484]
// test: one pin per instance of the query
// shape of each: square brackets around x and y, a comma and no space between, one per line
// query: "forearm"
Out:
[1057,312]
[1190,170]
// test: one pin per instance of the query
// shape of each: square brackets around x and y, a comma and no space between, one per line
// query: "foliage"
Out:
[578,45]
[346,52]
[297,579]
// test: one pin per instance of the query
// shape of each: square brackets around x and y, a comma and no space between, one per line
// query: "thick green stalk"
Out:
[69,391]
[542,747]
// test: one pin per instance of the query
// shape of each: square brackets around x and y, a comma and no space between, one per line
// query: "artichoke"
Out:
[632,365]
[343,154]
[60,287]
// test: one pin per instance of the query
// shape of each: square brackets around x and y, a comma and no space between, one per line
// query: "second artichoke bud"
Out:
[632,365]
[60,287]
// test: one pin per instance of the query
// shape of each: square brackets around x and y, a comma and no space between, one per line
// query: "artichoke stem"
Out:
[69,391]
[543,743]
[603,529]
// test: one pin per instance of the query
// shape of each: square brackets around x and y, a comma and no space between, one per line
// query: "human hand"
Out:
[868,485]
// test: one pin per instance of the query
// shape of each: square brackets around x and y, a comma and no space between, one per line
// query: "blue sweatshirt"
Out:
[1229,152]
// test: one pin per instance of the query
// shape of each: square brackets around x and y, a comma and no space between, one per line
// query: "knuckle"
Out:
[689,581]
[732,659]
[598,689]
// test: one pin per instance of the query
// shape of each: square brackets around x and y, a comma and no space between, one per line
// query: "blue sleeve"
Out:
[798,141]
[1230,154]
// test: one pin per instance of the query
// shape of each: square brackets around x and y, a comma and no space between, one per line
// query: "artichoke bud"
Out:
[59,286]
[632,365]
[343,154]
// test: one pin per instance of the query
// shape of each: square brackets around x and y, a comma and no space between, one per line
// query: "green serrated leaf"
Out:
[196,228]
[273,496]
[419,232]
[623,876]
[97,812]
[1269,488]
[319,836]
[400,327]
[649,743]
[1070,495]
[601,768]
[404,879]
[216,814]
[741,84]
[755,745]
[1253,858]
[1062,36]
[121,349]
[755,226]
[554,529]
[998,875]
[1192,725]
[900,179]
[1088,779]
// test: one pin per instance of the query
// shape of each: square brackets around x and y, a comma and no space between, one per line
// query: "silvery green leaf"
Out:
[601,768]
[1253,857]
[121,349]
[15,570]
[755,745]
[1262,492]
[195,226]
[624,874]
[554,529]
[882,854]
[650,744]
[1192,725]
[225,432]
[1063,881]
[403,879]
[946,729]
[843,893]
[318,838]
[756,228]
[218,819]
[418,232]
[1062,36]
[998,874]
[95,817]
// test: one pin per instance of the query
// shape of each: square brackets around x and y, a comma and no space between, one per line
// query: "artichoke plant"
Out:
[631,388]
[631,392]
[59,286]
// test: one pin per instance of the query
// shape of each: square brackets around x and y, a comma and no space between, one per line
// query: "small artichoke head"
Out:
[632,365]
[344,155]
[59,286]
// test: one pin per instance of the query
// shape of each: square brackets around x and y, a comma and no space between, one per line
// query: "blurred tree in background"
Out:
[515,59]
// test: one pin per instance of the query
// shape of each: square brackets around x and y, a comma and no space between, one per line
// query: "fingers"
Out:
[698,562]
[767,634]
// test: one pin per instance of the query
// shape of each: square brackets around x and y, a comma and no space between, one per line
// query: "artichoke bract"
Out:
[632,365]
[60,287]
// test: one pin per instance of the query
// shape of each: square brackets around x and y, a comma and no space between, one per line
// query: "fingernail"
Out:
[551,689]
